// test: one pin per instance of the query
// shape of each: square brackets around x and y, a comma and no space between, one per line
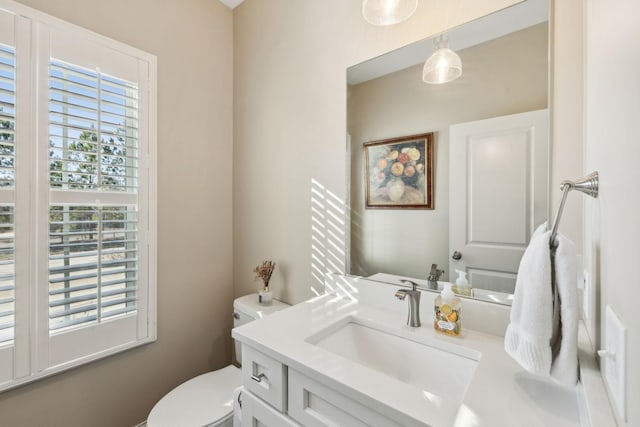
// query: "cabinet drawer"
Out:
[265,377]
[315,405]
[256,413]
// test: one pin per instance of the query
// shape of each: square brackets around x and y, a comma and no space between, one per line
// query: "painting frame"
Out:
[398,172]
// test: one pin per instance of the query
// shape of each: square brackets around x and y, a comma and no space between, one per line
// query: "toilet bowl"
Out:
[207,400]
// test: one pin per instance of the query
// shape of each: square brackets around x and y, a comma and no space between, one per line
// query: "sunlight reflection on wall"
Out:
[328,236]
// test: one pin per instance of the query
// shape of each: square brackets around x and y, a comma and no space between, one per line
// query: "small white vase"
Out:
[265,297]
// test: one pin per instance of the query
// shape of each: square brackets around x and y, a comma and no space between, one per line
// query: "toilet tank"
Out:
[247,309]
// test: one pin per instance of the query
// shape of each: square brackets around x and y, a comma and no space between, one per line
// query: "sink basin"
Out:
[438,372]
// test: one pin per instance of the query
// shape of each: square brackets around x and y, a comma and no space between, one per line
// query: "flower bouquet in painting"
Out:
[399,172]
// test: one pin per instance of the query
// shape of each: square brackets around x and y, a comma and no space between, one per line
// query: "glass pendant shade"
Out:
[387,12]
[443,66]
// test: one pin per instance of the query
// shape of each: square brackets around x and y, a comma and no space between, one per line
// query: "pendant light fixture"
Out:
[444,65]
[388,12]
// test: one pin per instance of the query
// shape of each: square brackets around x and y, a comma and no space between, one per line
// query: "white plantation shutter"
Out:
[7,274]
[77,196]
[93,147]
[7,115]
[93,267]
[14,214]
[93,130]
[7,184]
[98,189]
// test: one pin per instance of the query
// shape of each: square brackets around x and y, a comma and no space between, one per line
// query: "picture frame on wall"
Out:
[399,173]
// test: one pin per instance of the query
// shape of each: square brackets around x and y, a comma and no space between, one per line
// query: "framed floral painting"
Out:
[399,173]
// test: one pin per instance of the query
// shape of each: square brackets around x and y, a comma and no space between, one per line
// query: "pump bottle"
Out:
[447,312]
[462,287]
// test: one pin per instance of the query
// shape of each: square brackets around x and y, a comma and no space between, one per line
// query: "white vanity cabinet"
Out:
[256,413]
[265,377]
[306,366]
[280,396]
[315,405]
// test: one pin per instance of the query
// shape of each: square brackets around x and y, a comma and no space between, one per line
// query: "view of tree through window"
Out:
[93,130]
[7,116]
[7,155]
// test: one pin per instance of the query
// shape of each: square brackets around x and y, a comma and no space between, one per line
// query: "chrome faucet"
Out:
[434,276]
[413,317]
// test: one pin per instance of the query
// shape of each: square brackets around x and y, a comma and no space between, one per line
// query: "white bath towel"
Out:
[528,336]
[237,406]
[564,365]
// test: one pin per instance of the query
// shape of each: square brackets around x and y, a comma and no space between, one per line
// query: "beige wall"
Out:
[290,123]
[193,42]
[500,77]
[567,86]
[611,136]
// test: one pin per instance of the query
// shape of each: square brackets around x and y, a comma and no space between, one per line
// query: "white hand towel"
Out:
[564,366]
[237,406]
[528,335]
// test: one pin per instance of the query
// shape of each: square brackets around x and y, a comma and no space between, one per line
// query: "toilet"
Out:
[207,400]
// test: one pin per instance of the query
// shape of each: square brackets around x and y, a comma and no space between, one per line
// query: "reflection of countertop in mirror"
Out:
[500,392]
[479,294]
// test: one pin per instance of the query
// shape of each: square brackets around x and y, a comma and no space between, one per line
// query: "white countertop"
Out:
[501,393]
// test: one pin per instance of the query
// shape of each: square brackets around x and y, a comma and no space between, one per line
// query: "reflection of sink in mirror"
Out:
[440,373]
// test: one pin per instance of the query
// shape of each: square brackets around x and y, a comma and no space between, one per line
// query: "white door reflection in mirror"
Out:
[498,195]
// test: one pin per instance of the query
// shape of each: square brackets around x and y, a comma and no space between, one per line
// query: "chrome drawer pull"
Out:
[258,378]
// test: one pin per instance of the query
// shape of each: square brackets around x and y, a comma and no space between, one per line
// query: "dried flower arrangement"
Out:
[264,272]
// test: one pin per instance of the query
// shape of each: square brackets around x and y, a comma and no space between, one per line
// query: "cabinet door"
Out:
[256,413]
[314,405]
[265,377]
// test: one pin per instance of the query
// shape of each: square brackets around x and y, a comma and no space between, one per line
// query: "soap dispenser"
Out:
[447,312]
[463,287]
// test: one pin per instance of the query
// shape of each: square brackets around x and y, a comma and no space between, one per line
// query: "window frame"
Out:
[38,352]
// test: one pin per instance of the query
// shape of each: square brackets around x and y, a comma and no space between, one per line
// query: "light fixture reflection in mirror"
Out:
[444,65]
[388,12]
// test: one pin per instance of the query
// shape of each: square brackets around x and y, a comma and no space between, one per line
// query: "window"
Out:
[93,145]
[77,196]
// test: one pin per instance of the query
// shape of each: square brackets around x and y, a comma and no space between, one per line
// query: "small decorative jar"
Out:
[265,297]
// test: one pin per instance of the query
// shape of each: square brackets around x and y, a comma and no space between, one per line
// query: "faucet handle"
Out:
[434,269]
[435,273]
[414,285]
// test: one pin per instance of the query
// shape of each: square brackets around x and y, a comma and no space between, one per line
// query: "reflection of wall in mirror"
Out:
[504,76]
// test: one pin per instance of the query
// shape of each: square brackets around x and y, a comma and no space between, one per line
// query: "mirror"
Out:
[485,207]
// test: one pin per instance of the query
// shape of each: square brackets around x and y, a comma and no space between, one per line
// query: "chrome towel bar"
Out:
[587,185]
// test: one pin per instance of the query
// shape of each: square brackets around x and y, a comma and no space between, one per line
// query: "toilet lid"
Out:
[201,401]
